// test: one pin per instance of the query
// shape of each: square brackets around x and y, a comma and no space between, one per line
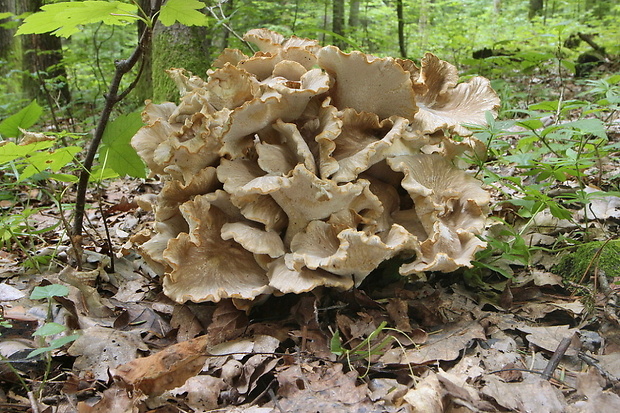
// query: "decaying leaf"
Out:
[307,388]
[532,395]
[165,370]
[100,349]
[445,344]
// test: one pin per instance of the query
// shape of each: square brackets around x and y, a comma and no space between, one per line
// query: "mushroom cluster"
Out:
[304,166]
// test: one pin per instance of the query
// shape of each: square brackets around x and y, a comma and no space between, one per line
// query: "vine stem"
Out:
[111,99]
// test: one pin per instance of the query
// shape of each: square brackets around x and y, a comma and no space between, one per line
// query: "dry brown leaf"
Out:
[186,323]
[165,370]
[99,349]
[114,400]
[457,387]
[590,385]
[398,311]
[426,397]
[325,389]
[532,395]
[228,322]
[549,338]
[445,344]
[201,393]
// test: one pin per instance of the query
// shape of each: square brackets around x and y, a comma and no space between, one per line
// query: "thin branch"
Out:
[111,99]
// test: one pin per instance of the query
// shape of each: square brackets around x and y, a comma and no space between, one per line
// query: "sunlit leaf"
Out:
[64,18]
[186,12]
[49,329]
[10,151]
[49,160]
[24,119]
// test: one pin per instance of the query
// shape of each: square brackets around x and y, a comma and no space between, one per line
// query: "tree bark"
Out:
[144,87]
[401,29]
[338,22]
[10,50]
[536,8]
[354,14]
[45,77]
[177,46]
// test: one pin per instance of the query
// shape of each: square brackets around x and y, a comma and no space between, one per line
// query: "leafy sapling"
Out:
[50,328]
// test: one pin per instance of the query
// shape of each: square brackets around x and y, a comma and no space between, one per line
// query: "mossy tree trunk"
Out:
[177,46]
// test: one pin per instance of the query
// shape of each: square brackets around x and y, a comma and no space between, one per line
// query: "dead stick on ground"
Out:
[557,356]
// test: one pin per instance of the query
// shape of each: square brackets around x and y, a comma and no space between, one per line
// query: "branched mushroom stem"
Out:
[111,99]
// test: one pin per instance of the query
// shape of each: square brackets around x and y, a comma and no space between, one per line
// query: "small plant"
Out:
[50,329]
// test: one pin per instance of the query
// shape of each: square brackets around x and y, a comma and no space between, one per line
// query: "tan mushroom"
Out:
[204,266]
[281,177]
[451,208]
[285,280]
[347,253]
[448,105]
[369,84]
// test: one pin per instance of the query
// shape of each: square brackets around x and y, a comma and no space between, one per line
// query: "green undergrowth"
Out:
[547,160]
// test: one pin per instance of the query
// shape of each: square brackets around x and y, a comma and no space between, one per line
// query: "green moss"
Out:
[177,46]
[588,257]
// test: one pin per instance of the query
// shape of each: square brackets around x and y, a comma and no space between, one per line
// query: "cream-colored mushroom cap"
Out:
[369,84]
[204,266]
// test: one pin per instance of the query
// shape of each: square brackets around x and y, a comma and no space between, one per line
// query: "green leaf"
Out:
[11,151]
[24,119]
[52,160]
[5,15]
[100,174]
[54,344]
[186,12]
[335,345]
[116,151]
[49,329]
[49,291]
[64,18]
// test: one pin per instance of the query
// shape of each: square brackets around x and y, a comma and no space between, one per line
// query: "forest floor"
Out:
[532,343]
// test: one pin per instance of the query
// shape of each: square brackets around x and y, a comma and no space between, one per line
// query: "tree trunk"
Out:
[45,77]
[144,87]
[536,8]
[401,29]
[6,34]
[338,22]
[181,47]
[10,51]
[354,15]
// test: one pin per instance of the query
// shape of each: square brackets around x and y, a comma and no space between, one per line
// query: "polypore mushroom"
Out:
[280,177]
